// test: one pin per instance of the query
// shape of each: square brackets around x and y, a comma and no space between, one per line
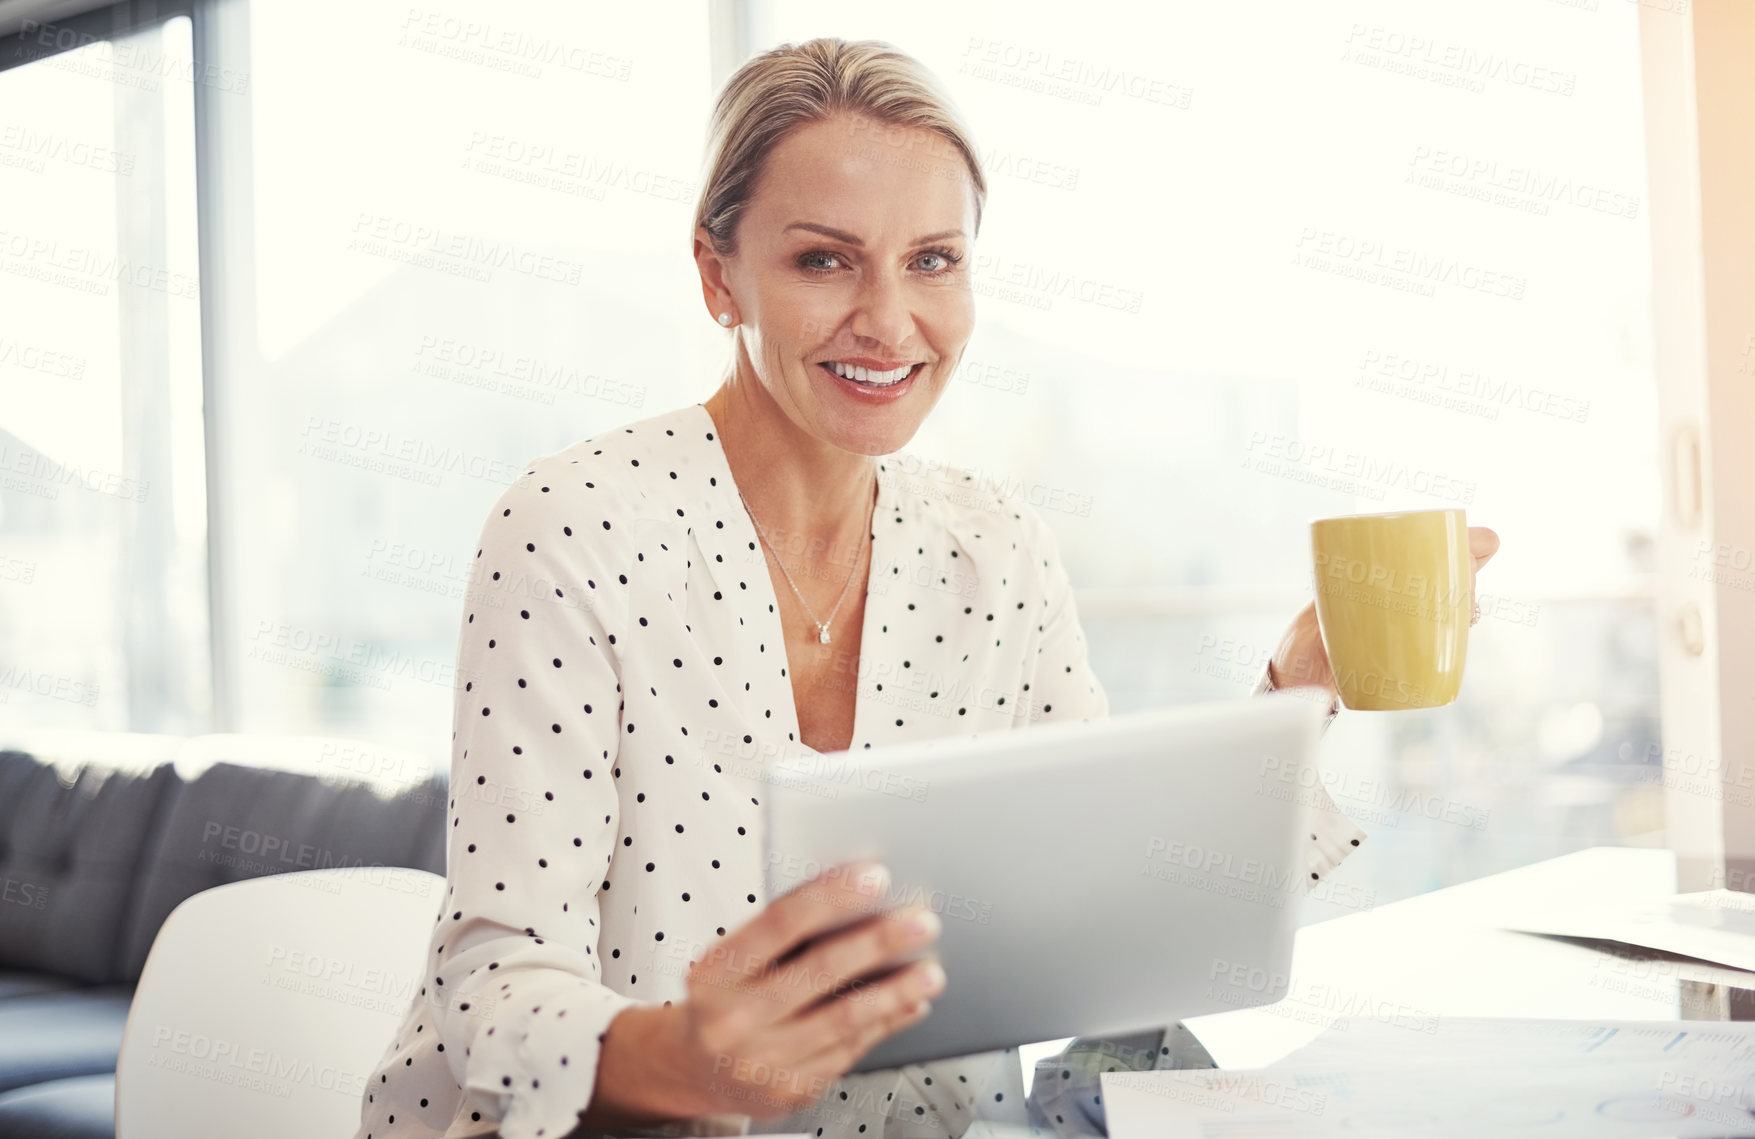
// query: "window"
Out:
[102,511]
[468,249]
[1361,259]
[1241,267]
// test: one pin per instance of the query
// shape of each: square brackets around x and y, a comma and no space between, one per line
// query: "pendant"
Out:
[822,634]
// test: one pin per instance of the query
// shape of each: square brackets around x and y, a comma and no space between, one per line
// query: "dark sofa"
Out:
[92,863]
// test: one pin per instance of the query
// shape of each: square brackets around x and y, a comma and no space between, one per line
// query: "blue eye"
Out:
[950,259]
[812,262]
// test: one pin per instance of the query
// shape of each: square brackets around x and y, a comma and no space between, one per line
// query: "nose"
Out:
[881,311]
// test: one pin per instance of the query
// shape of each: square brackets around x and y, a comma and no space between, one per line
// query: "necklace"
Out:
[822,626]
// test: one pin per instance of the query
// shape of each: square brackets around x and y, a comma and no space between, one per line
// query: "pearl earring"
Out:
[725,319]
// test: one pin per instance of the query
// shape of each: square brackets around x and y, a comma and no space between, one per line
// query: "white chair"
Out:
[265,1004]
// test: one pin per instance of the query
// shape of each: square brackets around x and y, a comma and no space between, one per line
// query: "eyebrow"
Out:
[841,235]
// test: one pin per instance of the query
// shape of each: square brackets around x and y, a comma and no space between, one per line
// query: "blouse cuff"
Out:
[538,1065]
[1333,835]
[1266,684]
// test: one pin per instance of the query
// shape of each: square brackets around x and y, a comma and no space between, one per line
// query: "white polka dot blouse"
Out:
[622,686]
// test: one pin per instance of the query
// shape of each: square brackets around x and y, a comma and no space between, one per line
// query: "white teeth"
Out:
[866,376]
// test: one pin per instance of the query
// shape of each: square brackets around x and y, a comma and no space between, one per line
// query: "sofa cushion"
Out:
[50,1036]
[69,855]
[83,1107]
[20,983]
[235,822]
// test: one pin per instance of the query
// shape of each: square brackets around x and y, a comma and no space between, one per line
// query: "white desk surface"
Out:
[1443,954]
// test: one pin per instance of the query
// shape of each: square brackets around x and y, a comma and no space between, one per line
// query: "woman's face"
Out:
[853,267]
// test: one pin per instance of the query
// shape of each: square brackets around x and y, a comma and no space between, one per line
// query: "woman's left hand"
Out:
[1301,661]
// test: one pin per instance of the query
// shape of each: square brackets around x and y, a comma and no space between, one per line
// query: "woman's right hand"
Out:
[775,1010]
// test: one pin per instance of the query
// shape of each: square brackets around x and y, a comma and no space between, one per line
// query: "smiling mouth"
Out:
[868,377]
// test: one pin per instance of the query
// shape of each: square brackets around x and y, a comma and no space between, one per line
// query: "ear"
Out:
[715,288]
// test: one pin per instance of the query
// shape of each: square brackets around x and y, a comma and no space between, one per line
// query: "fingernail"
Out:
[874,880]
[925,924]
[932,977]
[922,1008]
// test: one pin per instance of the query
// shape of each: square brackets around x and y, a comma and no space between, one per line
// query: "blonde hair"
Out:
[794,85]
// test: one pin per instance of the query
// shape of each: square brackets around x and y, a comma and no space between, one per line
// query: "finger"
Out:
[830,901]
[834,1061]
[834,1036]
[812,1074]
[1483,544]
[842,958]
[836,961]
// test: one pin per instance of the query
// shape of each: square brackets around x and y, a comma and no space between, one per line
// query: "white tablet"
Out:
[1093,878]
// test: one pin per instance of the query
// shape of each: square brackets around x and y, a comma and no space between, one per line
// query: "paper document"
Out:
[1715,925]
[1512,1078]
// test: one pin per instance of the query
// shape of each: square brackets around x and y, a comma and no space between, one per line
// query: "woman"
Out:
[664,609]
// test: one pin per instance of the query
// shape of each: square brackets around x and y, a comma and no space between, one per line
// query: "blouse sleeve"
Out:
[521,1006]
[1333,835]
[1058,682]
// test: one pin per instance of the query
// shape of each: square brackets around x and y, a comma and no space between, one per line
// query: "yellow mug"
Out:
[1393,600]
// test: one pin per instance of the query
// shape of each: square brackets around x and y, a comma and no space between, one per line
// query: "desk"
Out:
[1443,954]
